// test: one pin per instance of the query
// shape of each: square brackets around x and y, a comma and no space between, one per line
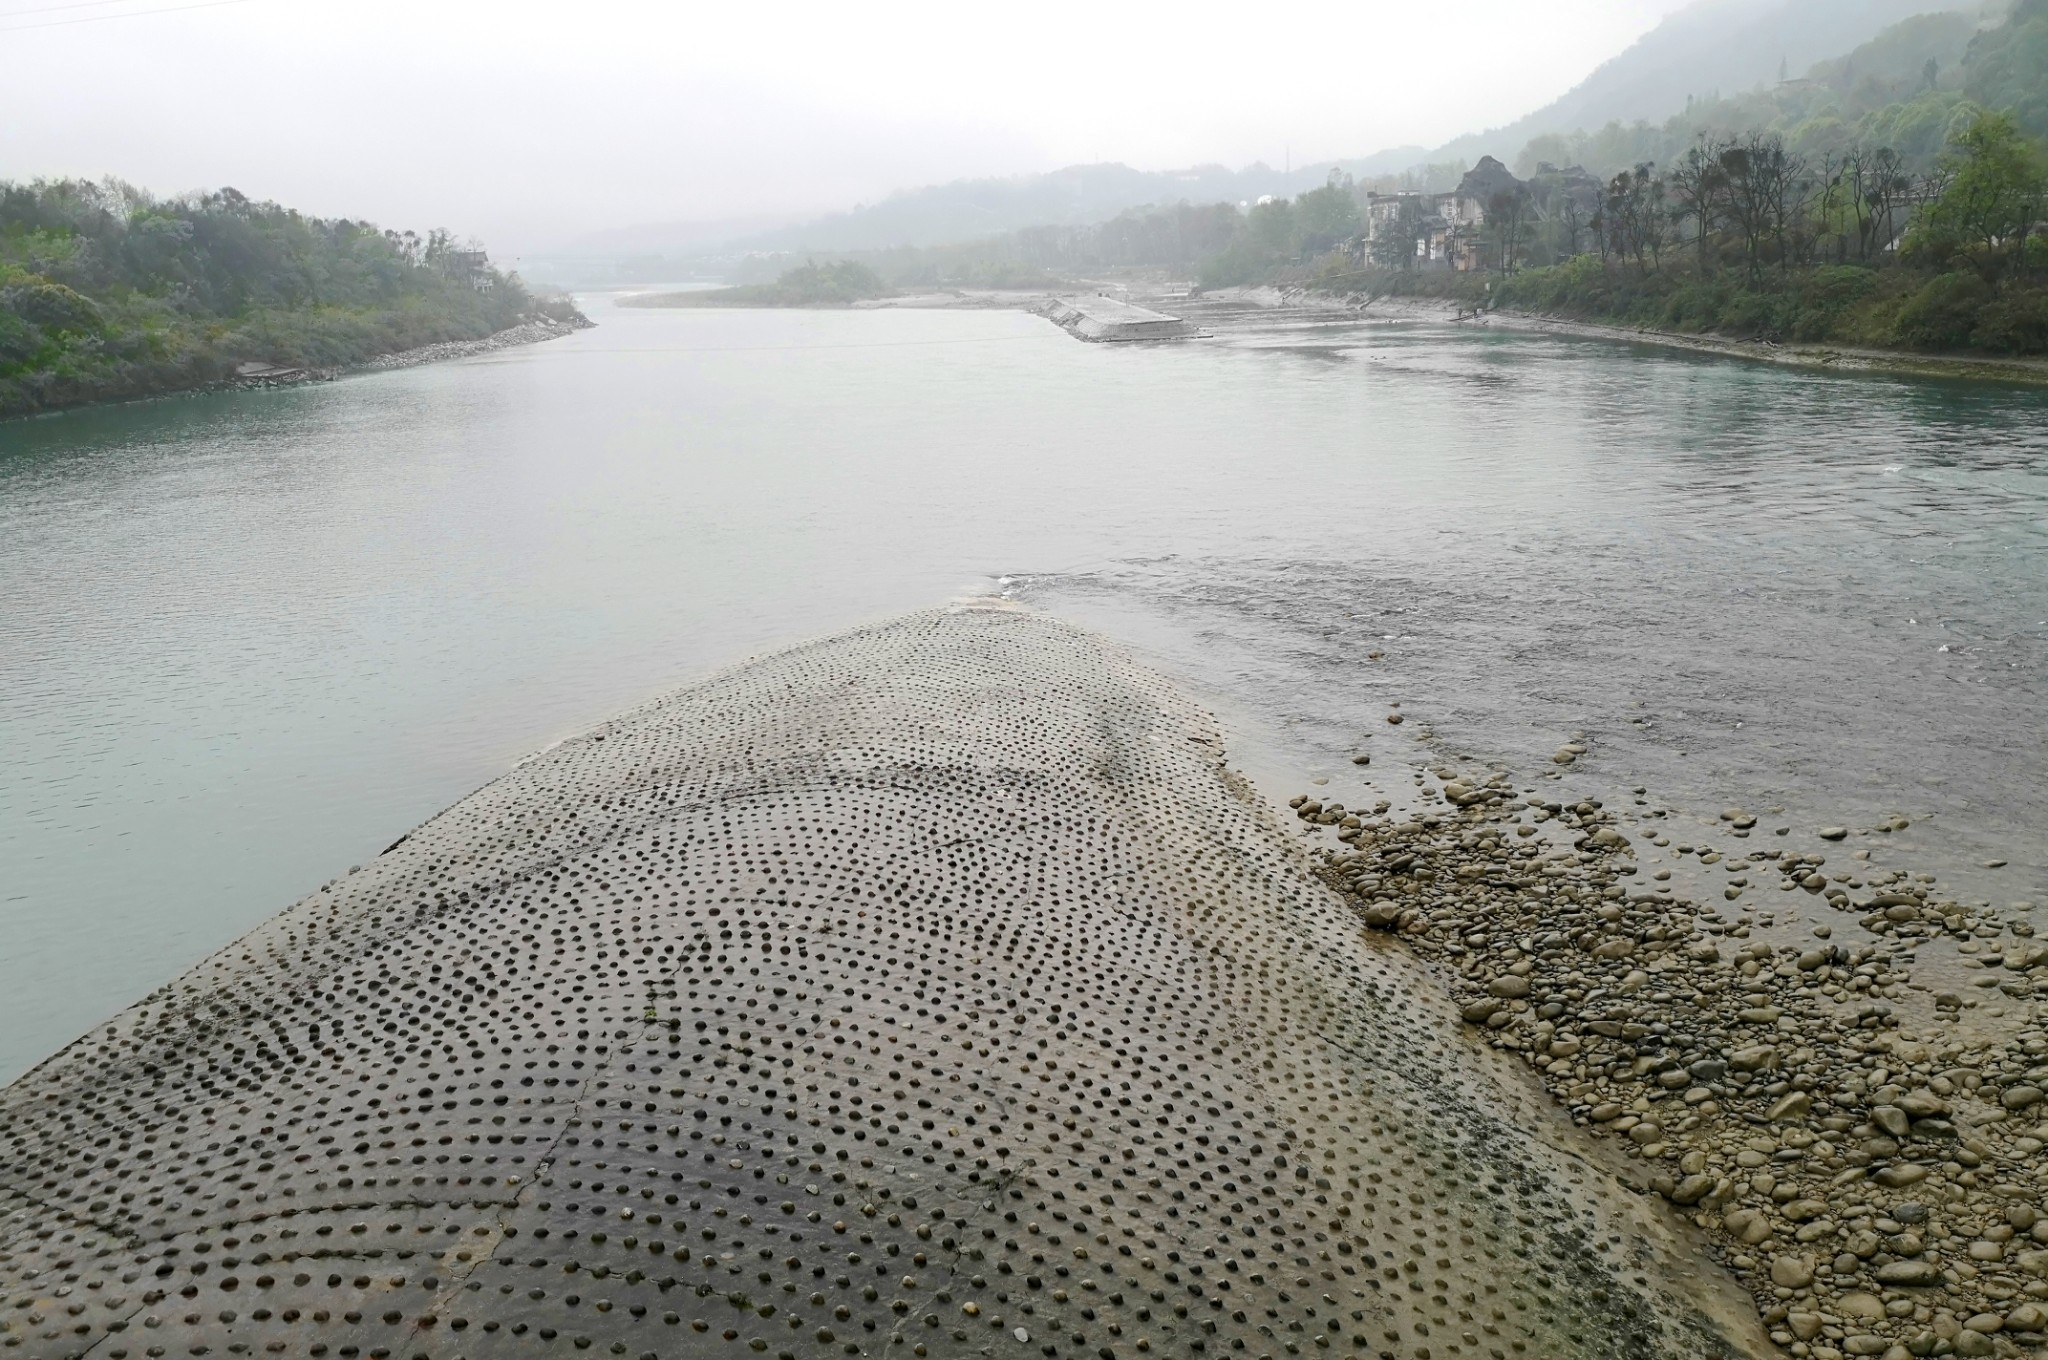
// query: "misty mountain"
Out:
[1710,48]
[1079,195]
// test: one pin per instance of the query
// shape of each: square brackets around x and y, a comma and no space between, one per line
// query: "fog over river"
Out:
[248,640]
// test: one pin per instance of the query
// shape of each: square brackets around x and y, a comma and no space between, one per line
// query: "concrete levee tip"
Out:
[924,990]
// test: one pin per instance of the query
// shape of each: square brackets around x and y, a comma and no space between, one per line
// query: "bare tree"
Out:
[1508,213]
[1745,212]
[1878,187]
[1656,214]
[1571,222]
[1782,177]
[1636,223]
[1766,189]
[1699,192]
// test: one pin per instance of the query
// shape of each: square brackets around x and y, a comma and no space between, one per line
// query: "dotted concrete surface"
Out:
[929,990]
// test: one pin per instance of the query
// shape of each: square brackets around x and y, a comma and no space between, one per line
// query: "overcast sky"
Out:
[530,123]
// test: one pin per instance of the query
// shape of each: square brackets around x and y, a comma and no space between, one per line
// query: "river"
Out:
[247,640]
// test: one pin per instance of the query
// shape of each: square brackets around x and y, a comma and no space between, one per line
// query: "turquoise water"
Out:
[248,640]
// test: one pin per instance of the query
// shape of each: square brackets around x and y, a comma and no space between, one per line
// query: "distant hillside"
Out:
[1078,195]
[1714,47]
[836,283]
[1710,54]
[1907,89]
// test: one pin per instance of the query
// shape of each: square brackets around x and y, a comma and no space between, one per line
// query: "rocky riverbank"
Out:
[1838,358]
[530,332]
[1860,1139]
[262,377]
[256,377]
[1835,358]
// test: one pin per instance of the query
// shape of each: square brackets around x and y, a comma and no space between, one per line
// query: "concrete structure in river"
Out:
[931,990]
[1095,317]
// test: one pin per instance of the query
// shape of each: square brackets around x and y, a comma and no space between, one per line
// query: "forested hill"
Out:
[109,293]
[1709,49]
[1909,89]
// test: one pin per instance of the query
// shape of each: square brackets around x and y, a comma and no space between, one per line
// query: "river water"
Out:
[248,640]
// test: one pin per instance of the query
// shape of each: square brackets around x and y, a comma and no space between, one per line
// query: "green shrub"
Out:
[20,340]
[1943,314]
[1754,315]
[1836,286]
[1694,306]
[1821,301]
[51,306]
[2014,324]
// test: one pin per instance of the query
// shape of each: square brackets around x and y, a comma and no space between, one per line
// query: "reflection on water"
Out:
[250,639]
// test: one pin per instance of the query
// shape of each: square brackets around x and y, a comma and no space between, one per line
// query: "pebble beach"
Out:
[1833,1070]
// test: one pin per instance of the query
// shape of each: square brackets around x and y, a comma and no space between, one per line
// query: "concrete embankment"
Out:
[933,989]
[1098,318]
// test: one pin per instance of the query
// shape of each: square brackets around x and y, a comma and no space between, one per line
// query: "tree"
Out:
[1633,218]
[1326,216]
[1571,223]
[1398,236]
[1830,208]
[1699,193]
[1878,185]
[1508,214]
[1990,201]
[1544,151]
[1765,186]
[185,288]
[1271,226]
[1781,176]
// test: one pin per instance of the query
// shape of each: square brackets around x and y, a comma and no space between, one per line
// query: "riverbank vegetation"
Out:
[109,293]
[1909,89]
[1175,236]
[836,283]
[1894,198]
[1744,238]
